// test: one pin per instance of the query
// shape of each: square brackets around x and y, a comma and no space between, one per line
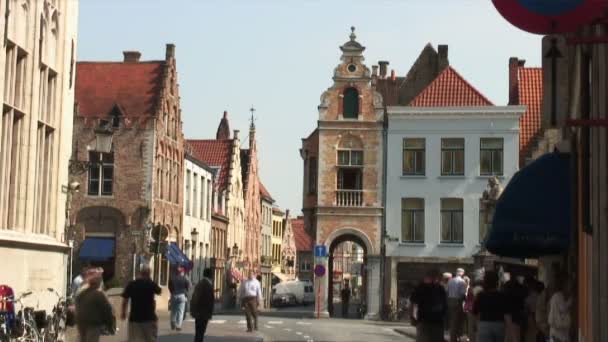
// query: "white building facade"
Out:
[439,160]
[37,82]
[198,205]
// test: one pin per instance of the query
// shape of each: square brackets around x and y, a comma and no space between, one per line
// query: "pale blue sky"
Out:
[279,56]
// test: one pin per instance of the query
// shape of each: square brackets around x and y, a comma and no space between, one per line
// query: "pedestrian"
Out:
[93,311]
[468,310]
[79,280]
[516,294]
[251,296]
[201,305]
[345,296]
[559,311]
[541,316]
[534,289]
[457,290]
[143,325]
[179,287]
[490,308]
[428,308]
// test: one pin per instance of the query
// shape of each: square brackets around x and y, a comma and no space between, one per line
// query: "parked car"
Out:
[283,299]
[302,290]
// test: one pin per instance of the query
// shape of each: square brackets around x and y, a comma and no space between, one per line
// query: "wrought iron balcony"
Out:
[349,198]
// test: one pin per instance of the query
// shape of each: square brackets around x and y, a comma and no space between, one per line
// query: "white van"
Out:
[304,291]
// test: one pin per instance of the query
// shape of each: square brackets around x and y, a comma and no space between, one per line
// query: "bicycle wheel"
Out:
[30,333]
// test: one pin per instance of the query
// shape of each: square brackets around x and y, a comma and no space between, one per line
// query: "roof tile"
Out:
[303,239]
[450,89]
[265,194]
[215,153]
[134,87]
[530,92]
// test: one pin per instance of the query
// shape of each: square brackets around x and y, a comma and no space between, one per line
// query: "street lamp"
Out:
[103,144]
[194,237]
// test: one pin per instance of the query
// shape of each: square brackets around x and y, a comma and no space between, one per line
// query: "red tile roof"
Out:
[530,92]
[265,194]
[303,239]
[216,154]
[450,89]
[134,87]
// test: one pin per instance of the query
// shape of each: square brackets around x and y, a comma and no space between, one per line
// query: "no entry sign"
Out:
[550,16]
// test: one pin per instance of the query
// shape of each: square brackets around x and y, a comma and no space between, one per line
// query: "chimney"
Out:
[442,54]
[170,51]
[225,114]
[374,70]
[131,56]
[236,134]
[514,64]
[393,76]
[383,68]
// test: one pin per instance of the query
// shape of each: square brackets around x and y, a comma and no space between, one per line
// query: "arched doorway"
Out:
[347,276]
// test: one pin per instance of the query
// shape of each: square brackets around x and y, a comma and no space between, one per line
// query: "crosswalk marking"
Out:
[275,322]
[303,323]
[268,326]
[242,322]
[298,333]
[306,337]
[219,321]
[287,329]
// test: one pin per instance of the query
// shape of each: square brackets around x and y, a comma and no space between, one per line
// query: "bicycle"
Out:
[57,322]
[25,328]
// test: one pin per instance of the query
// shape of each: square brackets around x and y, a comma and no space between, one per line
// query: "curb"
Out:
[405,333]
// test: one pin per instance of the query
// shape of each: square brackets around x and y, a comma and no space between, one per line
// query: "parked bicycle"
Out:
[57,322]
[21,328]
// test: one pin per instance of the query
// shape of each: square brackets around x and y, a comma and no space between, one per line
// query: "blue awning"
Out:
[533,214]
[96,249]
[177,257]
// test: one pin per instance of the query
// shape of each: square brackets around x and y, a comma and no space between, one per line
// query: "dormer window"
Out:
[351,103]
[351,68]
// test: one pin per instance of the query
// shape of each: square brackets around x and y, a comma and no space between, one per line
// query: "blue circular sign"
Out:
[319,270]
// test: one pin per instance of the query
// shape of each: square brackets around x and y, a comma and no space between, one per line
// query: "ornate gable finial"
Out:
[352,34]
[252,110]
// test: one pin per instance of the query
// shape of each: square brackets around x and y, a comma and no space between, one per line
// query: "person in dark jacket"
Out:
[201,305]
[93,311]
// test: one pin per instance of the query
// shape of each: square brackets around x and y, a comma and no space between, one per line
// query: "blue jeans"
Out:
[178,307]
[490,331]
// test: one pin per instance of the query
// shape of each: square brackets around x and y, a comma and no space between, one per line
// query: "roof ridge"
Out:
[121,62]
[439,77]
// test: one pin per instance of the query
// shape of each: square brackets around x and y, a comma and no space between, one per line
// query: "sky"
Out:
[278,56]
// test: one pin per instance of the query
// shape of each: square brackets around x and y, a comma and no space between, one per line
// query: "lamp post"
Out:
[103,144]
[68,233]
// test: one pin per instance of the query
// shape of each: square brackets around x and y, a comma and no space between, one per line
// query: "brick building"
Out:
[253,204]
[344,170]
[304,245]
[223,154]
[137,183]
[37,82]
[266,244]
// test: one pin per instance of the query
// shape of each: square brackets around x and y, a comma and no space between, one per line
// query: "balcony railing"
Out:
[349,198]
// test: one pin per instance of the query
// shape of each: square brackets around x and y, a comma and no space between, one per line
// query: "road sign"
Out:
[319,270]
[320,251]
[160,233]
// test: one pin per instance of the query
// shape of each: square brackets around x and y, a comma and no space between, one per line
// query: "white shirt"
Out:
[457,288]
[251,288]
[76,284]
[559,317]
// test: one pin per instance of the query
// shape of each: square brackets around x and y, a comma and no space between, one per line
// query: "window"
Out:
[413,156]
[204,189]
[312,175]
[490,156]
[209,200]
[451,220]
[305,266]
[350,179]
[452,156]
[194,195]
[412,220]
[351,103]
[350,158]
[187,202]
[101,173]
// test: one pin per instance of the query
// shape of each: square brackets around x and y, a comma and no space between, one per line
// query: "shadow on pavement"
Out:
[190,338]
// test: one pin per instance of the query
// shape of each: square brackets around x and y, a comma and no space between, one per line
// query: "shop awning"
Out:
[96,249]
[533,214]
[176,257]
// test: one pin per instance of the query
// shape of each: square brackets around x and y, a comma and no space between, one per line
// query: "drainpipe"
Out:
[383,229]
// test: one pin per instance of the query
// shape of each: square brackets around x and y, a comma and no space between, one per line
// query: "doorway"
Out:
[347,277]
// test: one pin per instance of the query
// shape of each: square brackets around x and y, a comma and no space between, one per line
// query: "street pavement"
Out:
[283,325]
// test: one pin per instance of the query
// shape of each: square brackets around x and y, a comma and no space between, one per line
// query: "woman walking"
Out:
[490,308]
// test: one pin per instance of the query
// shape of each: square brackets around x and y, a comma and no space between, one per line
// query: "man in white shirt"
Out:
[251,297]
[457,291]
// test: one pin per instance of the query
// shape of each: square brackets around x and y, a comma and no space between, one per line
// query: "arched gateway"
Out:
[343,186]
